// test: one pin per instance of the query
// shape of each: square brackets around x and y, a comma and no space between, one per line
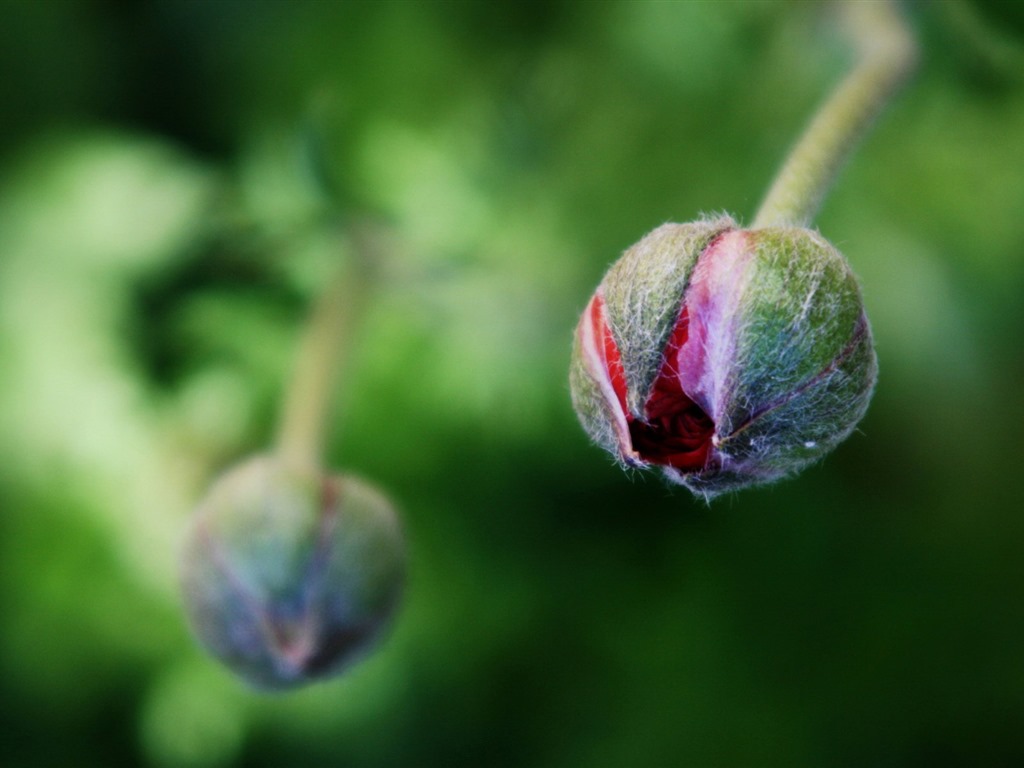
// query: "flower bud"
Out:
[728,357]
[288,574]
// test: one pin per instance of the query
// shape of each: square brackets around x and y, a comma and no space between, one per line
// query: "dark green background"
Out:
[175,180]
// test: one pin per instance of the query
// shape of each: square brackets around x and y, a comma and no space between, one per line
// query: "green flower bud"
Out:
[728,357]
[289,574]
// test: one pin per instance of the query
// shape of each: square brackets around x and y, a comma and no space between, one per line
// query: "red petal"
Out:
[610,350]
[675,432]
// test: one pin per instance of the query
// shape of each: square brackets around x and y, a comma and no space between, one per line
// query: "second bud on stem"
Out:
[290,574]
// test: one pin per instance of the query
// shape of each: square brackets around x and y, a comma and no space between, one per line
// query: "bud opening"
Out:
[674,431]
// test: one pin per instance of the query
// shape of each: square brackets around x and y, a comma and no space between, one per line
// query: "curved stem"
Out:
[886,55]
[322,348]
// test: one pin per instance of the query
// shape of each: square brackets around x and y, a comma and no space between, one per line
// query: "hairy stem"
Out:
[322,348]
[886,54]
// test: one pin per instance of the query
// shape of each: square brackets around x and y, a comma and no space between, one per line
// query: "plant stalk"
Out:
[886,55]
[324,344]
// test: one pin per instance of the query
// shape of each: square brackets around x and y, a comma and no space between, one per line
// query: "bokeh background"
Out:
[177,182]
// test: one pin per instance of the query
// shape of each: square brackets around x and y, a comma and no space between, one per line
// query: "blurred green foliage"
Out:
[176,179]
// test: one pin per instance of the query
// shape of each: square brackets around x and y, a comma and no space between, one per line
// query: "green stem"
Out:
[886,54]
[322,348]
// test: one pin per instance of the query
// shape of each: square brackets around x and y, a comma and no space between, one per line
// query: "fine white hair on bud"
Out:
[289,574]
[727,357]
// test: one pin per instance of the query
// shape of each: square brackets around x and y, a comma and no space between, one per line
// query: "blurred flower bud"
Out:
[728,357]
[289,574]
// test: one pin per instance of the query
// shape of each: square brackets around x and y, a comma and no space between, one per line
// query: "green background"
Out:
[176,180]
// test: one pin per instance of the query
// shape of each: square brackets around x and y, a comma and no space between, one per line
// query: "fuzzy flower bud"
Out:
[728,357]
[289,574]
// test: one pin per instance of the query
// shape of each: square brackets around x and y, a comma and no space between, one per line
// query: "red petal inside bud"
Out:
[609,350]
[676,431]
